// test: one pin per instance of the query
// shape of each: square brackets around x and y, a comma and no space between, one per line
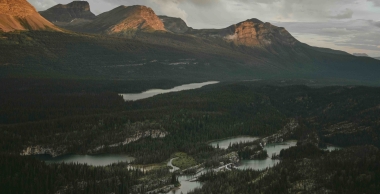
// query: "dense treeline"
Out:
[300,152]
[79,122]
[79,119]
[351,170]
[29,175]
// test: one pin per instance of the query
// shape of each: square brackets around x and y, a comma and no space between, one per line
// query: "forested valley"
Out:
[90,117]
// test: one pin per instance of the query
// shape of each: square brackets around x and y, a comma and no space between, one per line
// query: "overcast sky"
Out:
[349,25]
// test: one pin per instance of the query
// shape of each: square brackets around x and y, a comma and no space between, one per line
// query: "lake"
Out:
[224,143]
[92,160]
[273,148]
[154,92]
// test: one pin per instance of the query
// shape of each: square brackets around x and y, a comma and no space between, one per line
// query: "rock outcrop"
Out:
[69,12]
[175,25]
[20,15]
[154,134]
[39,150]
[124,19]
[251,33]
[254,33]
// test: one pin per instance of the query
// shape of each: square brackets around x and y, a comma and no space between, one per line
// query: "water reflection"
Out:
[274,148]
[154,92]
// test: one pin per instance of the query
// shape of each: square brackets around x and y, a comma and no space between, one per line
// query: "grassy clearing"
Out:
[183,161]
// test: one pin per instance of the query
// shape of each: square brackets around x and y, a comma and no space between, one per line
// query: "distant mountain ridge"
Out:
[252,32]
[124,19]
[132,42]
[360,54]
[21,15]
[69,12]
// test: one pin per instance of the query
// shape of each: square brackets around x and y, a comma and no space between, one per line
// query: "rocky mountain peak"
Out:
[69,12]
[175,25]
[254,32]
[18,8]
[21,15]
[126,18]
[254,20]
[84,5]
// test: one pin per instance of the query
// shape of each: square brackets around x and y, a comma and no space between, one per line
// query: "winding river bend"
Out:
[154,92]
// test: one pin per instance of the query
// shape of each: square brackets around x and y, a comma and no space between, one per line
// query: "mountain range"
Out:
[132,42]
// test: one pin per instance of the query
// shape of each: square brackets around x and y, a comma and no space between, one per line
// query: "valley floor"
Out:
[60,117]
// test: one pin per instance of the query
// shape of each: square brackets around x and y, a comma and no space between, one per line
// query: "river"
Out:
[154,92]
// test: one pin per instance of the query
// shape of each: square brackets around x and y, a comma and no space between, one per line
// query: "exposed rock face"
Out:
[38,150]
[251,33]
[20,15]
[124,19]
[175,25]
[287,130]
[69,12]
[254,32]
[154,134]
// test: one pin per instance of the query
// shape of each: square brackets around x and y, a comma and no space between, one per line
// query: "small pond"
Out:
[92,160]
[154,92]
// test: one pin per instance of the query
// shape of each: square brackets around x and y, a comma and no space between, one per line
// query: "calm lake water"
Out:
[93,160]
[273,149]
[226,142]
[154,92]
[267,163]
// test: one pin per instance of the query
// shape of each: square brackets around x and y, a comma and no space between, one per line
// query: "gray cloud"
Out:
[375,2]
[377,24]
[351,36]
[346,14]
[42,4]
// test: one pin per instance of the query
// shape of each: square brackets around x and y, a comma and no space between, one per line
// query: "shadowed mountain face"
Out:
[378,58]
[71,13]
[20,15]
[175,25]
[124,19]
